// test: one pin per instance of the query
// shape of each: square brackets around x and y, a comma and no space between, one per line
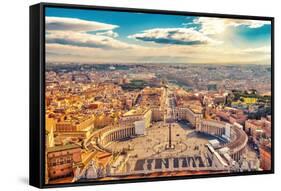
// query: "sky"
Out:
[97,36]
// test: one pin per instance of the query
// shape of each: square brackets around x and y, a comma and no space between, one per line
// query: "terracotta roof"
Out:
[63,147]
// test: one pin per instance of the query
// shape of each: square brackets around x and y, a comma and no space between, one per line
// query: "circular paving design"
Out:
[178,147]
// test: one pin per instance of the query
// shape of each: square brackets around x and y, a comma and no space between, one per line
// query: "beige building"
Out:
[138,114]
[139,118]
[260,127]
[78,127]
[157,114]
[185,113]
[62,159]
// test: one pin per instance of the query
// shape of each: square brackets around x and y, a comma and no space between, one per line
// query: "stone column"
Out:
[145,167]
[171,165]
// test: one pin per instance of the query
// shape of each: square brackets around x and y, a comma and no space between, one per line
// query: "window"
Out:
[61,161]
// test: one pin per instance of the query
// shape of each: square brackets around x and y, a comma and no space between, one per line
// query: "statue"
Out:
[91,172]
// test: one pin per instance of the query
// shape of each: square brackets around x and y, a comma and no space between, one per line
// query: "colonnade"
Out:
[116,134]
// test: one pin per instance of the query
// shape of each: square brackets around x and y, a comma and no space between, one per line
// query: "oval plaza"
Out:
[166,137]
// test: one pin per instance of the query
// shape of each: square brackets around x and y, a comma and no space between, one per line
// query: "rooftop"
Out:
[136,111]
[63,147]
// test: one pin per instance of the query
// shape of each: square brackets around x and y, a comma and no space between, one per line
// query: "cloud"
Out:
[176,36]
[75,32]
[248,23]
[85,40]
[76,40]
[74,24]
[210,26]
[68,53]
[161,54]
[108,33]
[258,50]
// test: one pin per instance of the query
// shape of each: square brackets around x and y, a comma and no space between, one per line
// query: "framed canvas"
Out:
[127,95]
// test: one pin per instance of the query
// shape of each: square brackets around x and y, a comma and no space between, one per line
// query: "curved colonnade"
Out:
[238,145]
[114,134]
[237,140]
[237,137]
[108,134]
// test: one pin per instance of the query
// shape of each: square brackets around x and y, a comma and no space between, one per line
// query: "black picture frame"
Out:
[37,93]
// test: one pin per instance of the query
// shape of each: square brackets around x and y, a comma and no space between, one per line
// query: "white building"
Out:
[139,127]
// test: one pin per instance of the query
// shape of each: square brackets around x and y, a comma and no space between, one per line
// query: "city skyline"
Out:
[92,36]
[111,122]
[127,96]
